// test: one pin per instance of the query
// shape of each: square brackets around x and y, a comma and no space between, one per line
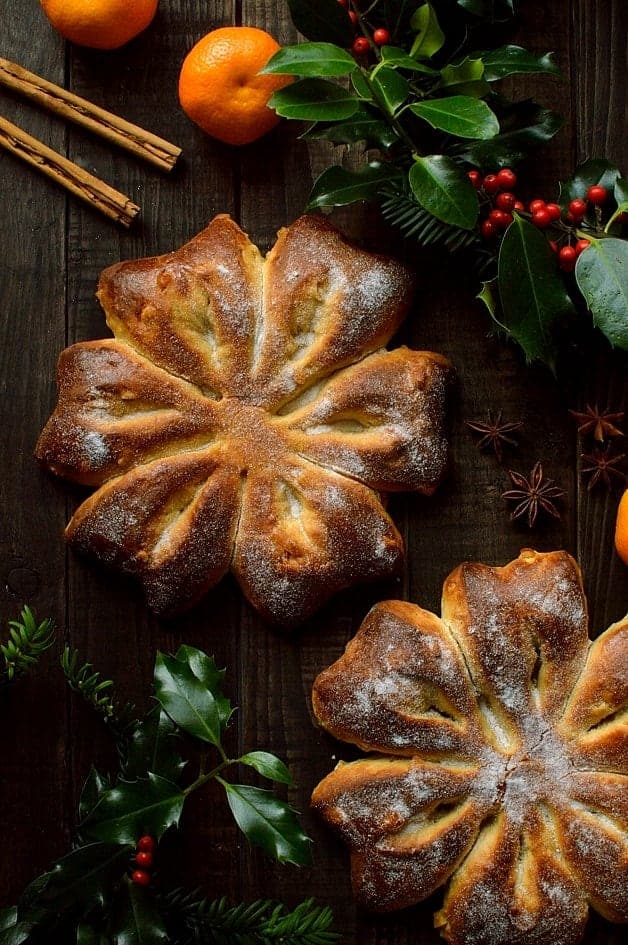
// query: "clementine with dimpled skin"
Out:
[621,529]
[220,88]
[100,24]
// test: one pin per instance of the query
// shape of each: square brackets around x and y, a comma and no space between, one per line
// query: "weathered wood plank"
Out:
[32,302]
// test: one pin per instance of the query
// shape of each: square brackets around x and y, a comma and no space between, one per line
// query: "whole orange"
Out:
[219,85]
[621,528]
[101,24]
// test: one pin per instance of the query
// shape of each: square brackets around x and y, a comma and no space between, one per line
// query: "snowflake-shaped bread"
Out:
[246,416]
[501,770]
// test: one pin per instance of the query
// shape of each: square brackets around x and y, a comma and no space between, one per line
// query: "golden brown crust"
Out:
[505,731]
[268,376]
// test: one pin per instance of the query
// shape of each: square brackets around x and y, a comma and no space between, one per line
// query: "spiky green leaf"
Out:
[459,115]
[311,59]
[442,187]
[269,823]
[130,809]
[602,277]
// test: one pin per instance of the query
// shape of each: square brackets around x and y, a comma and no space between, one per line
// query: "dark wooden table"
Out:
[53,249]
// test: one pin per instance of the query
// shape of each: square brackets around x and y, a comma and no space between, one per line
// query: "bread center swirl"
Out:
[252,441]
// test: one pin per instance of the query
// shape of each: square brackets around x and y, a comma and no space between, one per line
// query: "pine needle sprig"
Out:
[263,922]
[82,678]
[27,641]
[403,212]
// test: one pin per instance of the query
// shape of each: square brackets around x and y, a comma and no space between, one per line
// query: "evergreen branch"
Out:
[27,641]
[263,922]
[403,212]
[82,679]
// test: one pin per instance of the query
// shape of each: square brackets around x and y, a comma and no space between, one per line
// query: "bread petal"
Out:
[513,889]
[326,304]
[380,421]
[117,410]
[593,831]
[523,629]
[171,524]
[401,687]
[193,312]
[304,534]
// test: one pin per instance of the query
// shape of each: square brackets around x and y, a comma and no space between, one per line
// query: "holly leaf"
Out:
[268,823]
[487,295]
[524,126]
[310,59]
[16,934]
[494,11]
[94,787]
[392,87]
[594,171]
[187,701]
[150,748]
[515,60]
[429,36]
[314,100]
[84,878]
[620,193]
[531,291]
[132,808]
[269,766]
[465,78]
[602,277]
[398,59]
[365,125]
[442,187]
[8,918]
[459,115]
[136,920]
[324,21]
[337,187]
[205,670]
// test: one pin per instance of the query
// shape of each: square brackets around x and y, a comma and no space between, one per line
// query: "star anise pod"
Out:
[494,433]
[600,423]
[602,467]
[533,494]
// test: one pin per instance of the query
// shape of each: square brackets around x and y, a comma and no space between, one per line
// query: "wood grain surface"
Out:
[53,249]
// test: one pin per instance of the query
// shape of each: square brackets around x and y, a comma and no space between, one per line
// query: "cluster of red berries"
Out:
[143,858]
[498,191]
[361,45]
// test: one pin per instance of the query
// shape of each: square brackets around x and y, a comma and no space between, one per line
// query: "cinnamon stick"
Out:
[78,181]
[132,138]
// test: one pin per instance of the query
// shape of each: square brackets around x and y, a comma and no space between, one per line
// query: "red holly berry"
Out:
[578,208]
[475,177]
[146,843]
[361,45]
[491,184]
[519,206]
[569,217]
[597,194]
[500,219]
[141,877]
[144,859]
[507,178]
[536,204]
[541,218]
[381,37]
[567,256]
[505,201]
[353,17]
[581,245]
[343,3]
[554,211]
[488,230]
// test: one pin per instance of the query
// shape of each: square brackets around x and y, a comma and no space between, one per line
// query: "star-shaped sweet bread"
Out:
[500,765]
[247,416]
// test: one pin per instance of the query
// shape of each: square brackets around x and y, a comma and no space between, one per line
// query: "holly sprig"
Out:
[419,83]
[106,891]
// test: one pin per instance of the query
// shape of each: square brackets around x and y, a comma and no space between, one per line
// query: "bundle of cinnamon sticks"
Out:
[77,180]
